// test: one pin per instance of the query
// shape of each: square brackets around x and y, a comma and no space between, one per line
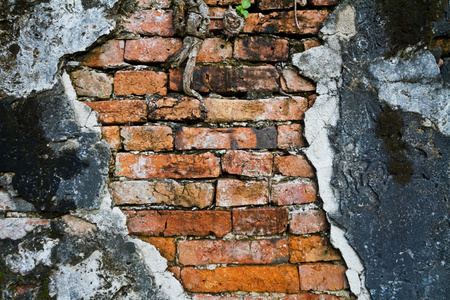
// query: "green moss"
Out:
[44,293]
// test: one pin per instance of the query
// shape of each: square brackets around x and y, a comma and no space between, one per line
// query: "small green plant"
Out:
[242,9]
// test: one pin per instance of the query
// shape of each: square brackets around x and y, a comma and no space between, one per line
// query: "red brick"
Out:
[277,279]
[110,54]
[140,83]
[166,246]
[293,165]
[170,192]
[89,83]
[247,163]
[214,50]
[309,221]
[273,109]
[176,271]
[226,2]
[261,48]
[289,193]
[77,226]
[283,22]
[120,112]
[324,2]
[142,138]
[311,249]
[173,109]
[139,166]
[202,252]
[233,192]
[311,100]
[308,44]
[187,138]
[154,3]
[177,222]
[216,15]
[112,136]
[151,22]
[309,296]
[151,50]
[279,4]
[322,277]
[226,79]
[212,297]
[290,137]
[264,221]
[291,82]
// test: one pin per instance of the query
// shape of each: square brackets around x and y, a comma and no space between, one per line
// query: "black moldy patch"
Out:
[50,158]
[410,22]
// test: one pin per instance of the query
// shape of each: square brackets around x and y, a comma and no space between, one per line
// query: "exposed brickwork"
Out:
[221,187]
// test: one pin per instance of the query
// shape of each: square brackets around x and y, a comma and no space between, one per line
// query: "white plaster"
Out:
[17,228]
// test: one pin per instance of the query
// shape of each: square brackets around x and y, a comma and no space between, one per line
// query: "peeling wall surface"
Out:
[378,137]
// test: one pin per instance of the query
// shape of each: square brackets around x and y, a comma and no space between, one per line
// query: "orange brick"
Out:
[279,279]
[202,252]
[175,109]
[140,83]
[88,83]
[247,163]
[110,54]
[308,44]
[142,138]
[264,221]
[120,112]
[311,249]
[288,193]
[151,22]
[324,2]
[233,192]
[151,50]
[291,82]
[187,138]
[176,271]
[212,297]
[166,246]
[322,277]
[170,192]
[177,222]
[293,165]
[214,50]
[154,3]
[309,296]
[261,48]
[309,221]
[226,79]
[290,137]
[139,166]
[273,109]
[112,136]
[283,22]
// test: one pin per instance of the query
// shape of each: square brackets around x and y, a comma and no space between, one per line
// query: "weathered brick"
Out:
[225,2]
[151,50]
[202,252]
[17,228]
[216,15]
[225,138]
[279,4]
[89,83]
[283,22]
[291,82]
[293,165]
[176,271]
[311,249]
[120,112]
[443,43]
[273,109]
[311,100]
[308,44]
[177,222]
[170,192]
[142,138]
[324,2]
[212,297]
[77,226]
[25,291]
[154,3]
[173,109]
[151,22]
[140,83]
[112,135]
[110,54]
[309,221]
[261,48]
[225,79]
[309,296]
[322,277]
[214,50]
[247,163]
[288,193]
[233,192]
[277,279]
[290,137]
[139,166]
[264,221]
[165,245]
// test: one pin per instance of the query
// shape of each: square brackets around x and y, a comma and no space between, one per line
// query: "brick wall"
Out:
[225,193]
